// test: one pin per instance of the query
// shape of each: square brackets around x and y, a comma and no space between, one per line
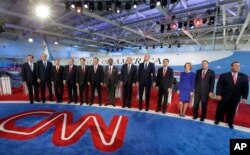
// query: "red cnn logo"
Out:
[66,132]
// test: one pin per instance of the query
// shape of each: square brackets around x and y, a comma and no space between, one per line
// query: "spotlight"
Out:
[174,26]
[135,5]
[99,6]
[79,7]
[42,11]
[85,5]
[118,7]
[211,20]
[197,22]
[162,28]
[128,6]
[91,6]
[56,43]
[73,6]
[30,40]
[158,3]
[164,3]
[152,4]
[191,24]
[108,6]
[185,24]
[179,26]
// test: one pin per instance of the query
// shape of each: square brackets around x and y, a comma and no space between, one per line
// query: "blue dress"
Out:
[186,86]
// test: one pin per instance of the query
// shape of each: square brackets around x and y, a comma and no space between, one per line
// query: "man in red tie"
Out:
[57,80]
[204,87]
[95,80]
[232,89]
[164,84]
[82,81]
[69,79]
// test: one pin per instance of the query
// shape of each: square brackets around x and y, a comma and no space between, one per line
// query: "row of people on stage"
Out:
[232,87]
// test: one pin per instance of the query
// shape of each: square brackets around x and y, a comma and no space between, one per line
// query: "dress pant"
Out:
[72,90]
[110,93]
[226,107]
[83,93]
[147,95]
[162,93]
[49,86]
[96,86]
[127,94]
[203,99]
[58,87]
[31,94]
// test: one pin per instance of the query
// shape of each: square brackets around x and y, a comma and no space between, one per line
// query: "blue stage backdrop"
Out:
[46,129]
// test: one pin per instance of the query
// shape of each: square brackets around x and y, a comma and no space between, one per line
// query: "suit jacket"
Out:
[44,74]
[82,77]
[114,76]
[166,81]
[128,77]
[28,75]
[97,77]
[70,77]
[226,88]
[146,76]
[57,76]
[207,84]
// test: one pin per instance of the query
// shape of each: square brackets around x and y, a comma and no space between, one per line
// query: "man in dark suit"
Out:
[29,78]
[146,76]
[44,76]
[204,87]
[231,88]
[128,80]
[95,80]
[57,72]
[111,81]
[164,84]
[82,81]
[69,79]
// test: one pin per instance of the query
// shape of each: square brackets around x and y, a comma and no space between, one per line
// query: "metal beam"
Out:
[190,36]
[243,28]
[224,24]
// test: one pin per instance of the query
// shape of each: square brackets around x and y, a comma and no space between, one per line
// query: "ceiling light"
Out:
[31,40]
[42,11]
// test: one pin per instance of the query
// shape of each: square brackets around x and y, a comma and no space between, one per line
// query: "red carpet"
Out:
[242,118]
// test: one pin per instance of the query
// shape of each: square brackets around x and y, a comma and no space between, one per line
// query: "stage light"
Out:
[91,6]
[73,6]
[152,4]
[135,5]
[30,40]
[108,6]
[211,20]
[198,22]
[56,43]
[185,24]
[162,28]
[118,7]
[86,5]
[158,3]
[78,7]
[179,26]
[174,26]
[99,6]
[128,6]
[191,24]
[42,11]
[164,3]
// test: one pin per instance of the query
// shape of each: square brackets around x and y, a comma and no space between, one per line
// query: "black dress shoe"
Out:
[216,122]
[146,109]
[113,105]
[140,108]
[195,117]
[81,103]
[164,112]
[69,102]
[43,101]
[231,126]
[57,101]
[31,102]
[123,106]
[100,104]
[90,104]
[129,106]
[202,119]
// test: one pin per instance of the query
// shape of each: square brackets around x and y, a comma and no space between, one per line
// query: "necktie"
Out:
[83,69]
[234,78]
[128,68]
[95,68]
[45,64]
[70,68]
[110,71]
[31,67]
[57,69]
[146,66]
[203,74]
[164,71]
